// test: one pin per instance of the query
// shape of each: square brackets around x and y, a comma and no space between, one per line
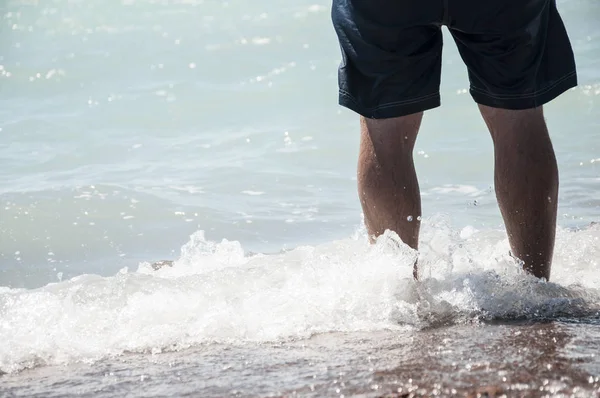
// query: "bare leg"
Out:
[526,181]
[387,182]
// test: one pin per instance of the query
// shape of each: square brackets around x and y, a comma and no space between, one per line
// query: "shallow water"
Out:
[208,133]
[542,359]
[311,321]
[128,126]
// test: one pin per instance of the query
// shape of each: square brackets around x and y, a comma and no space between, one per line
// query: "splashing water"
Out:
[215,292]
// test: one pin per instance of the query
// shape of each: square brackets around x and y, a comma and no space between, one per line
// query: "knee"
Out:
[514,124]
[393,137]
[502,115]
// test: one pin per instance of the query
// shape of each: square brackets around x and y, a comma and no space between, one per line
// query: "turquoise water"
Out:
[127,126]
[208,132]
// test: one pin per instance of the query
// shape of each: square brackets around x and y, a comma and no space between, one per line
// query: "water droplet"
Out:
[409,218]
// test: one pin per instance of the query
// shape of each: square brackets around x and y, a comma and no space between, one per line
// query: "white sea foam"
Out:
[216,292]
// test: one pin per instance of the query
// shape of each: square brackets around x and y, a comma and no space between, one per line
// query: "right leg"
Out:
[519,58]
[526,181]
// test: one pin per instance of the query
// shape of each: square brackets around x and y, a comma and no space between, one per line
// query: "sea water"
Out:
[208,133]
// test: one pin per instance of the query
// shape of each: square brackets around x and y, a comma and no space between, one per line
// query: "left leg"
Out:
[387,182]
[389,74]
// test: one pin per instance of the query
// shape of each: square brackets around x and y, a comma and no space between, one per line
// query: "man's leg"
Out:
[519,57]
[526,180]
[387,182]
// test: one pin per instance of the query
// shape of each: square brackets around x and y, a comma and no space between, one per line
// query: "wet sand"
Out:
[534,359]
[528,359]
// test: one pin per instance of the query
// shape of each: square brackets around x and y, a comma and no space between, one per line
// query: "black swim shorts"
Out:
[517,53]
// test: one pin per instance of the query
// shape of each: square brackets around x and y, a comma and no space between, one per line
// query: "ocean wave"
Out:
[217,292]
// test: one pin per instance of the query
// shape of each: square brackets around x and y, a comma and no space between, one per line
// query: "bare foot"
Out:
[162,263]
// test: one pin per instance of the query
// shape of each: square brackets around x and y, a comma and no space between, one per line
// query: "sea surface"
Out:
[207,133]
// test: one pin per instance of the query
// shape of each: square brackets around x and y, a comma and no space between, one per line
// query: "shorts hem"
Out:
[525,101]
[393,109]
